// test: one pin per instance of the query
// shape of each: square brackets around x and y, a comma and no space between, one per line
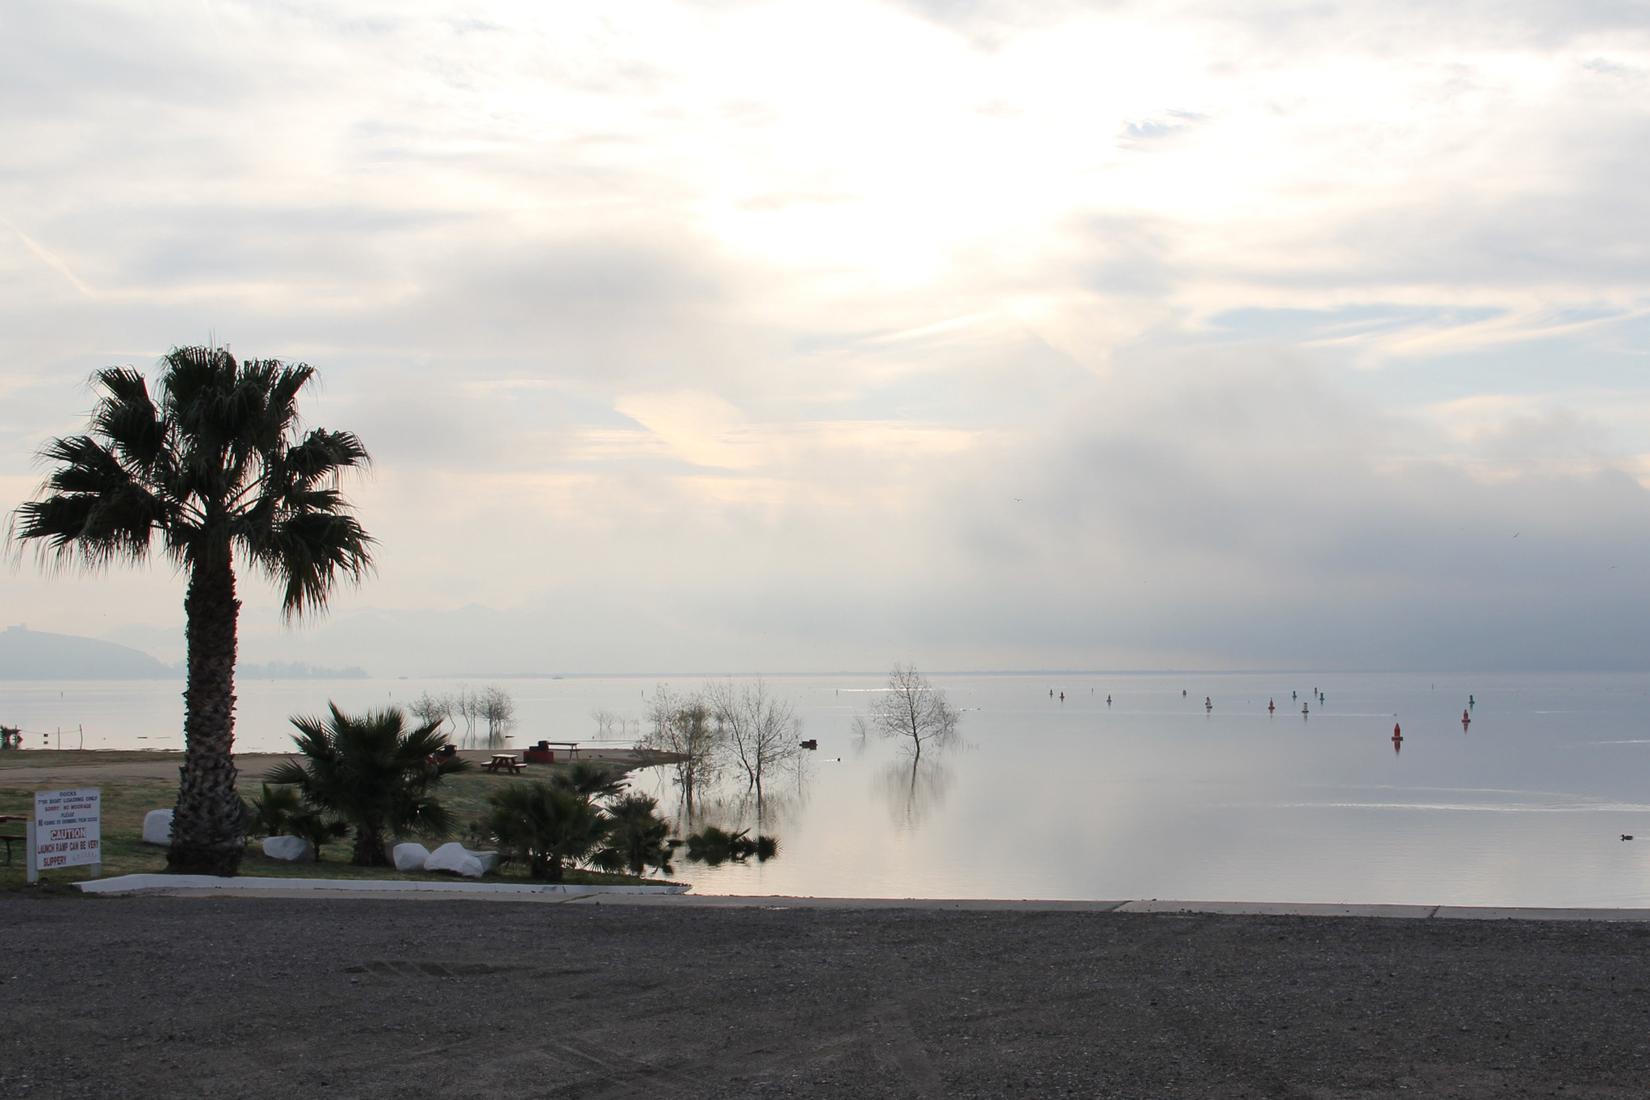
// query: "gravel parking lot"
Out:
[254,997]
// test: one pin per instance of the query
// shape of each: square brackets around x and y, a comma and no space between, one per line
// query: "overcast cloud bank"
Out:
[778,336]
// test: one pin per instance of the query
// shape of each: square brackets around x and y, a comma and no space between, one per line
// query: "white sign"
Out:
[66,830]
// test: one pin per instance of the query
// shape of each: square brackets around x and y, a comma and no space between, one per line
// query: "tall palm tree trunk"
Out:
[208,835]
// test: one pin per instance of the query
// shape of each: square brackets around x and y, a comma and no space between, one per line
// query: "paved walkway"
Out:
[193,885]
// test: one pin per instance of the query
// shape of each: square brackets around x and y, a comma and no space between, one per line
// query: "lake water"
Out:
[1150,797]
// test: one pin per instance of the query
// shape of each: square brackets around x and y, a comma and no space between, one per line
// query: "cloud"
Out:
[1072,333]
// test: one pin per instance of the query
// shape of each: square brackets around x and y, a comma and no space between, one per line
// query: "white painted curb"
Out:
[137,884]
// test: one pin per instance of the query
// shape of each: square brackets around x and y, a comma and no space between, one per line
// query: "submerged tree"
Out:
[914,711]
[374,773]
[684,726]
[432,710]
[762,730]
[715,845]
[214,465]
[498,710]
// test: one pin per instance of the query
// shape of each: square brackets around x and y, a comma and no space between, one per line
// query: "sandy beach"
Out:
[152,996]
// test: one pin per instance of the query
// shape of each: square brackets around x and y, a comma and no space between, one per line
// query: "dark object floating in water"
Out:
[811,743]
[1627,836]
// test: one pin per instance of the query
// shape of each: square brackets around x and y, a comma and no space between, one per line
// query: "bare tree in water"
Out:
[762,730]
[685,726]
[464,704]
[914,711]
[498,710]
[432,710]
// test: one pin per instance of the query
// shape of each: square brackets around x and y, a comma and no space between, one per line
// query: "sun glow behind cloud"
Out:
[777,314]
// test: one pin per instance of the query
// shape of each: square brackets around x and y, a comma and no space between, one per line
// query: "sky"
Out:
[797,337]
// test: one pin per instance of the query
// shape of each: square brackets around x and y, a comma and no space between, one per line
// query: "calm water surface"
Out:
[1149,797]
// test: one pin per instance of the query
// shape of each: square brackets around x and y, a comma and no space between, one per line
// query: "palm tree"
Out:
[374,773]
[217,469]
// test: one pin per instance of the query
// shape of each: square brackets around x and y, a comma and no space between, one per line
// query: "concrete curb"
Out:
[171,884]
[676,893]
[1279,909]
[1153,906]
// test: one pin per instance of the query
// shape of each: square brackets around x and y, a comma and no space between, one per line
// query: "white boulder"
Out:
[453,857]
[489,861]
[409,857]
[157,827]
[290,848]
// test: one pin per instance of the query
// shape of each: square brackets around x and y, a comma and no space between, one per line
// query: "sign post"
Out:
[66,830]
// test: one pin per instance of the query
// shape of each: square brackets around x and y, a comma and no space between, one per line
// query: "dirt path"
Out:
[43,766]
[286,997]
[30,766]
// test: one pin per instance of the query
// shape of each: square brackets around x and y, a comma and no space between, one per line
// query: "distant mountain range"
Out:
[36,655]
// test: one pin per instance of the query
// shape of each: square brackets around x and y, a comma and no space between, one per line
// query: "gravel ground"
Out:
[232,997]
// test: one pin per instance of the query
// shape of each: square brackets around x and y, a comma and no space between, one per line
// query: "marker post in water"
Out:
[66,830]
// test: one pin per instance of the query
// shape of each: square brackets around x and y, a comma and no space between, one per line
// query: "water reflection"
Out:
[734,805]
[1150,798]
[913,787]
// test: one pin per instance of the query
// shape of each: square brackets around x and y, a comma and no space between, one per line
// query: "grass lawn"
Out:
[125,801]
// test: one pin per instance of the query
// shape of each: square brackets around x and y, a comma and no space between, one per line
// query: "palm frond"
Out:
[323,454]
[287,772]
[91,507]
[127,417]
[309,552]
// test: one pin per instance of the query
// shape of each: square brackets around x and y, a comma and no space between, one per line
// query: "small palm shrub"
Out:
[582,815]
[268,812]
[372,772]
[714,846]
[316,828]
[636,837]
[545,826]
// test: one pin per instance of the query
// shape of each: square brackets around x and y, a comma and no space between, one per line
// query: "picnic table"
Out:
[503,761]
